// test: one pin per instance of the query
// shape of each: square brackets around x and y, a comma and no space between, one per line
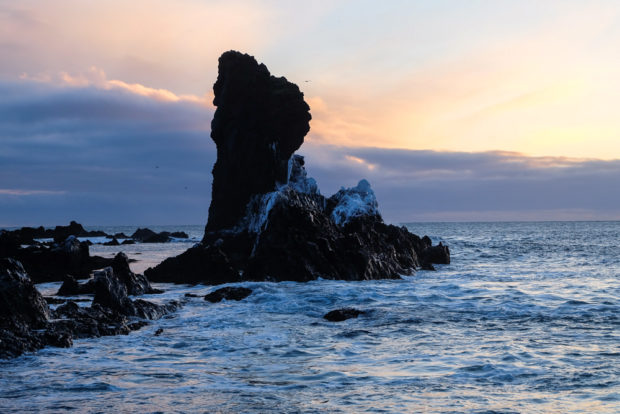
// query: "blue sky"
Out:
[453,111]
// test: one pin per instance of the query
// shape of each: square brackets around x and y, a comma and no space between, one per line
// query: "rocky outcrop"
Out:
[343,314]
[439,254]
[71,287]
[268,219]
[27,235]
[53,263]
[135,284]
[260,121]
[228,293]
[27,323]
[111,292]
[24,314]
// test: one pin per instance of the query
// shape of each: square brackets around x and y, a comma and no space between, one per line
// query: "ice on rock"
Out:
[258,211]
[354,202]
[260,206]
[298,178]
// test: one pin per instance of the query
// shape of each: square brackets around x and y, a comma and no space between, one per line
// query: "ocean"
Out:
[526,319]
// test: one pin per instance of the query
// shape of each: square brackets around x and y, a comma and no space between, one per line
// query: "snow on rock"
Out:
[258,211]
[257,214]
[298,178]
[354,202]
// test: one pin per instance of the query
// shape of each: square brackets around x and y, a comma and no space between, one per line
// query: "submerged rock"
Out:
[343,314]
[267,218]
[228,293]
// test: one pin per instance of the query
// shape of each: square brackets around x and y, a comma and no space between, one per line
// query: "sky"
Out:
[454,111]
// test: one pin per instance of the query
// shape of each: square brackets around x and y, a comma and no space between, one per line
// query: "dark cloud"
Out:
[429,185]
[113,157]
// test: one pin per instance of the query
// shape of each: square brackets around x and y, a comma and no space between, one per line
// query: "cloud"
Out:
[431,185]
[101,156]
[97,78]
[16,192]
[111,156]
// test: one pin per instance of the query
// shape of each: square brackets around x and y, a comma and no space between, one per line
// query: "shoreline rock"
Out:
[268,220]
[28,324]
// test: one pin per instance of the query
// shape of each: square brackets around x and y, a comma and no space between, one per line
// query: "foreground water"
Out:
[525,319]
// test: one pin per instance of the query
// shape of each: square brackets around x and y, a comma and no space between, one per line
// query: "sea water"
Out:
[525,319]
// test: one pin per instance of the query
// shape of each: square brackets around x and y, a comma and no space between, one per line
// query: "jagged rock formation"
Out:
[260,121]
[268,219]
[46,263]
[27,323]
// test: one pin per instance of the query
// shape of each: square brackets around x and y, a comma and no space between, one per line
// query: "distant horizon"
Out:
[99,226]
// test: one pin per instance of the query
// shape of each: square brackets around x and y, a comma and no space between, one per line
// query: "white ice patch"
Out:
[298,178]
[259,209]
[257,216]
[355,202]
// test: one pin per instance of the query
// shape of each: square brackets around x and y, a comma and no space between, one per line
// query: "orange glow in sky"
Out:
[536,79]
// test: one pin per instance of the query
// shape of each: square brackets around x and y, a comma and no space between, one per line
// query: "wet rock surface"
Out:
[71,287]
[268,220]
[228,293]
[27,323]
[46,263]
[343,314]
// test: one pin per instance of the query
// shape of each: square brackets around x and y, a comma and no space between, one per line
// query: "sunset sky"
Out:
[478,110]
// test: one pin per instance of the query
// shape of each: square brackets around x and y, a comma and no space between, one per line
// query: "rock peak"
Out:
[260,121]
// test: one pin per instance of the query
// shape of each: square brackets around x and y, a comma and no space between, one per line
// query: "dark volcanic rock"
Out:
[439,254]
[111,293]
[228,293]
[259,122]
[27,323]
[200,264]
[27,235]
[267,219]
[20,302]
[71,287]
[340,315]
[163,237]
[128,241]
[149,236]
[135,284]
[24,314]
[52,263]
[112,242]
[179,235]
[142,234]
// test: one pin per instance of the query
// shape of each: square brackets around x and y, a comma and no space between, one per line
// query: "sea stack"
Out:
[268,220]
[260,122]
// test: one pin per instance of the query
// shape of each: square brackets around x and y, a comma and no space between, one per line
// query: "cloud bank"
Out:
[116,155]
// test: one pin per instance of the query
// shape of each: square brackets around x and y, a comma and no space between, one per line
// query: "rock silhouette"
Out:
[27,323]
[260,121]
[268,220]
